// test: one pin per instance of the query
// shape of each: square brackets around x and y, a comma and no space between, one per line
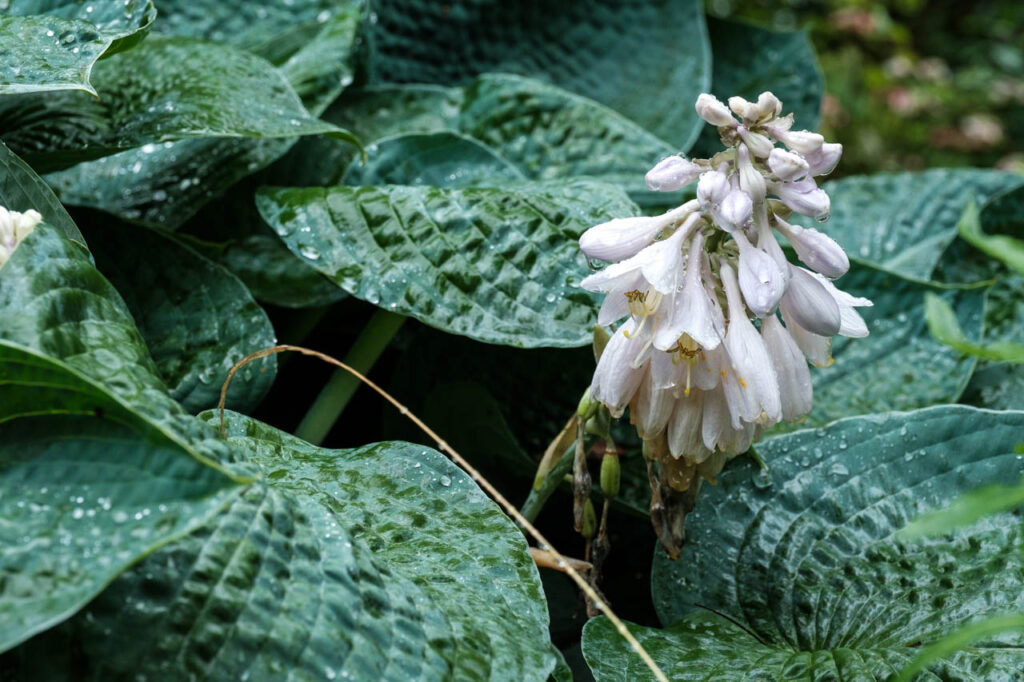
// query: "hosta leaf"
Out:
[749,60]
[545,132]
[648,60]
[169,183]
[497,265]
[21,189]
[426,521]
[196,317]
[437,159]
[54,44]
[903,222]
[804,564]
[164,90]
[87,487]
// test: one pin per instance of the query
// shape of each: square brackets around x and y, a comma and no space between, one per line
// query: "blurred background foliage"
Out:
[911,84]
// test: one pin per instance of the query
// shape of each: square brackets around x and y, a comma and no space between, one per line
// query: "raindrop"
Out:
[445,481]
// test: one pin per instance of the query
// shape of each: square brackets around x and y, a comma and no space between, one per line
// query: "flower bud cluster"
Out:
[14,227]
[701,379]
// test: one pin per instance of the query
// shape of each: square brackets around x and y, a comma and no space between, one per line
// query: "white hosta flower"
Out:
[713,111]
[787,165]
[624,237]
[14,227]
[672,173]
[819,251]
[702,388]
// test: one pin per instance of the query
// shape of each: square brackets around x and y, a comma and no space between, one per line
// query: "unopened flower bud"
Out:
[713,111]
[768,106]
[737,208]
[610,474]
[819,251]
[672,173]
[810,304]
[624,237]
[761,279]
[805,198]
[744,109]
[589,528]
[587,406]
[803,141]
[787,165]
[712,188]
[824,160]
[751,180]
[759,145]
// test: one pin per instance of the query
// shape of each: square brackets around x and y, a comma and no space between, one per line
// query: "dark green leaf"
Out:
[171,182]
[440,159]
[804,564]
[196,317]
[21,189]
[545,132]
[900,365]
[903,222]
[54,44]
[87,487]
[647,60]
[749,60]
[498,265]
[164,90]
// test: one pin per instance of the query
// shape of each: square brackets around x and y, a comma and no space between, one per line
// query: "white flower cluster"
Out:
[701,380]
[14,227]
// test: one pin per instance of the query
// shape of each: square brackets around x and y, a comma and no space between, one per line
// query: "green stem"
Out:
[539,496]
[331,402]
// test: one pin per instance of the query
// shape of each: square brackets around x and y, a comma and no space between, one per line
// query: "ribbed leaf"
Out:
[497,265]
[648,60]
[164,90]
[87,488]
[196,317]
[167,184]
[54,44]
[803,562]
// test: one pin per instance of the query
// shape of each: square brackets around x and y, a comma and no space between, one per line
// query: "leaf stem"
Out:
[539,496]
[334,396]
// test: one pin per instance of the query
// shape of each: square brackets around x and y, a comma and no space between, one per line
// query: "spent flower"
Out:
[719,326]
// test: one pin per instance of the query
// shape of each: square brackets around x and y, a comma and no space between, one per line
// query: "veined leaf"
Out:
[21,189]
[53,44]
[647,60]
[497,265]
[796,574]
[166,89]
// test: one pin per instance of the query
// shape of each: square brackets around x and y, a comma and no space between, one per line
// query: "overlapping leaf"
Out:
[165,185]
[21,189]
[196,317]
[647,60]
[54,44]
[803,570]
[164,90]
[498,265]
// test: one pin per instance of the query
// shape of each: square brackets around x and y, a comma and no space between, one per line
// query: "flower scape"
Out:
[703,360]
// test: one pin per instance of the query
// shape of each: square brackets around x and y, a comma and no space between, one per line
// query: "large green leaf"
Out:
[165,185]
[241,23]
[164,90]
[87,487]
[903,222]
[21,189]
[196,317]
[54,44]
[805,575]
[900,365]
[648,60]
[544,131]
[497,265]
[427,521]
[749,60]
[439,159]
